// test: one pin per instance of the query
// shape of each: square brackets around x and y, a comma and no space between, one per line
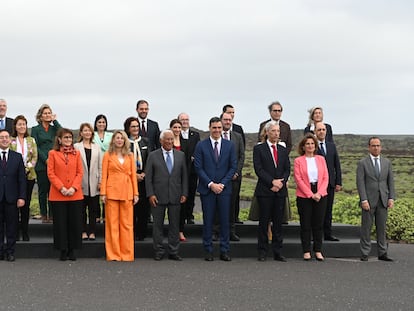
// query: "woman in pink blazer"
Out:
[311,176]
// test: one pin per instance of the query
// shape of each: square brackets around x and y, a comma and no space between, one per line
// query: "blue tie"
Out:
[1,124]
[168,162]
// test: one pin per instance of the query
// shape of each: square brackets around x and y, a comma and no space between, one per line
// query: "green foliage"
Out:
[400,224]
[346,210]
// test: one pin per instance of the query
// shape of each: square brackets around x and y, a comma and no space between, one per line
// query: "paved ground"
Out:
[243,284]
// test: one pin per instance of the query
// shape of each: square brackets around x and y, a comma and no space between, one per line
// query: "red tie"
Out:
[275,154]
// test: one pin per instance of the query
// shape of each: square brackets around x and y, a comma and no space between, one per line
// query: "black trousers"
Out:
[271,210]
[24,211]
[67,224]
[92,205]
[8,226]
[312,215]
[142,211]
[327,224]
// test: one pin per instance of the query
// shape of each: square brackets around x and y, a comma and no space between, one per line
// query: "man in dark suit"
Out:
[226,120]
[192,138]
[5,122]
[275,110]
[272,166]
[236,128]
[148,128]
[328,150]
[215,162]
[12,194]
[375,183]
[166,184]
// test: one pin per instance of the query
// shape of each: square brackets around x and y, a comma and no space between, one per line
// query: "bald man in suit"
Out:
[375,183]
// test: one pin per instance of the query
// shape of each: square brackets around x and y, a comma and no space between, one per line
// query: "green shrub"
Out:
[400,224]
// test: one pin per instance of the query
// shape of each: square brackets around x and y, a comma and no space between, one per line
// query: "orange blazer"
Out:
[303,188]
[62,174]
[119,181]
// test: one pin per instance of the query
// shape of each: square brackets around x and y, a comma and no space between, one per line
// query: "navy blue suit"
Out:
[221,171]
[335,178]
[12,188]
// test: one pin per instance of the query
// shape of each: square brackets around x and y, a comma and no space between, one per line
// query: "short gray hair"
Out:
[164,132]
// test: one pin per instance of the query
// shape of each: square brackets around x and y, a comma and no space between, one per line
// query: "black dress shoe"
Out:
[158,257]
[26,237]
[209,257]
[174,257]
[10,257]
[190,221]
[215,237]
[1,257]
[63,255]
[238,221]
[71,255]
[225,257]
[279,257]
[261,258]
[331,238]
[234,237]
[384,258]
[364,258]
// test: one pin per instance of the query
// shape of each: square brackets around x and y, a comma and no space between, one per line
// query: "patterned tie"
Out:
[275,158]
[216,153]
[321,147]
[168,162]
[376,167]
[143,130]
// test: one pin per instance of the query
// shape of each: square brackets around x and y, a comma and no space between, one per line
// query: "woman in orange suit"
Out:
[64,170]
[119,192]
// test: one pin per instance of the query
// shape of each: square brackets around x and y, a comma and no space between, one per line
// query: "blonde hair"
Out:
[125,148]
[311,113]
[83,125]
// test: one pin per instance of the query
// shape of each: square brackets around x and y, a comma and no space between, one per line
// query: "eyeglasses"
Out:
[67,137]
[277,110]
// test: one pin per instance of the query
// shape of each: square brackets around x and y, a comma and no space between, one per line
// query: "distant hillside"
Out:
[392,144]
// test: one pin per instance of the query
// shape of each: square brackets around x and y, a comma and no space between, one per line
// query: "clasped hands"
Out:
[217,188]
[277,184]
[67,192]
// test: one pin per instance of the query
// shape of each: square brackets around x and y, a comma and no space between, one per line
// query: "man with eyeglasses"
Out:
[5,122]
[275,110]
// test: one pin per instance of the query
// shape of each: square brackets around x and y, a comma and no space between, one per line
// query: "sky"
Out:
[353,58]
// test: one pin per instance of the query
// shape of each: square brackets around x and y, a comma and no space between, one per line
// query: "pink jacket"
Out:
[303,189]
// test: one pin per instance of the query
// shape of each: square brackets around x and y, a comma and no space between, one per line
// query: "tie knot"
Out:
[274,146]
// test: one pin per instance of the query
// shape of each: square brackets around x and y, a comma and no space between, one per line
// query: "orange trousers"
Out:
[119,230]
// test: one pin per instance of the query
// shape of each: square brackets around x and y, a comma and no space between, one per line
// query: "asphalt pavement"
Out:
[193,284]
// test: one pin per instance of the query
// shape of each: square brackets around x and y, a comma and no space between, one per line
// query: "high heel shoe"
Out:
[319,256]
[307,256]
[84,236]
[92,237]
[182,237]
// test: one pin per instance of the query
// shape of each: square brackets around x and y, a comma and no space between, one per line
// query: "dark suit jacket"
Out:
[153,134]
[209,170]
[9,125]
[237,128]
[373,188]
[13,178]
[237,139]
[285,133]
[191,143]
[329,134]
[333,164]
[266,171]
[168,188]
